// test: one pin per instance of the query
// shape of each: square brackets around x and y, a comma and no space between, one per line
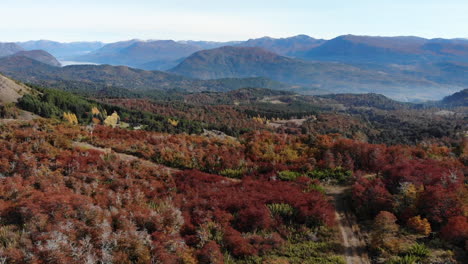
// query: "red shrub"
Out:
[238,245]
[438,204]
[265,244]
[417,172]
[456,229]
[371,196]
[210,254]
[204,197]
[253,217]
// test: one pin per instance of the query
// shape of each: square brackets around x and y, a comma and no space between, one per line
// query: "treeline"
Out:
[391,127]
[224,118]
[52,103]
[377,101]
[280,111]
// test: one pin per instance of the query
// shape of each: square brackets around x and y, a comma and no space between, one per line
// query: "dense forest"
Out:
[372,118]
[240,177]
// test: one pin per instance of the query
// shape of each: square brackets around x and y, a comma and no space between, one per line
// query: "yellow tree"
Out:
[173,122]
[70,118]
[95,111]
[112,120]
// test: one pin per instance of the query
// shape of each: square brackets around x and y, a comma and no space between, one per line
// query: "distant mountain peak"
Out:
[302,36]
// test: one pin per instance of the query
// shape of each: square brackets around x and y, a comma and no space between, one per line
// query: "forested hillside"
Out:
[247,176]
[218,132]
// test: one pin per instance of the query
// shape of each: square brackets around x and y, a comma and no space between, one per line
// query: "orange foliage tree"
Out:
[420,225]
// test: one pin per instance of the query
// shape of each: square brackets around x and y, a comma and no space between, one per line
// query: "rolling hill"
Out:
[233,61]
[39,55]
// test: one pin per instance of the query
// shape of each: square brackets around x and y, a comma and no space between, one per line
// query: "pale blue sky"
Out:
[113,20]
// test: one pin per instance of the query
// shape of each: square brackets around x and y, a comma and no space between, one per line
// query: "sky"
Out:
[221,20]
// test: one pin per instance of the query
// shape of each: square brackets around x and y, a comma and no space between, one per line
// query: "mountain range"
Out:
[427,81]
[404,68]
[386,50]
[148,55]
[94,78]
[154,55]
[346,48]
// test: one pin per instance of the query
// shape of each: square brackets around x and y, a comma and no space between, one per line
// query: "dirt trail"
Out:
[130,158]
[125,157]
[354,244]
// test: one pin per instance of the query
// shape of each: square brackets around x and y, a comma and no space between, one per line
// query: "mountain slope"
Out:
[160,54]
[386,50]
[79,77]
[229,61]
[11,91]
[334,77]
[24,69]
[41,56]
[456,99]
[7,49]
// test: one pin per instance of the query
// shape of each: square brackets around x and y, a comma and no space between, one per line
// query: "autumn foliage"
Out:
[456,229]
[71,204]
[420,225]
[237,207]
[62,201]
